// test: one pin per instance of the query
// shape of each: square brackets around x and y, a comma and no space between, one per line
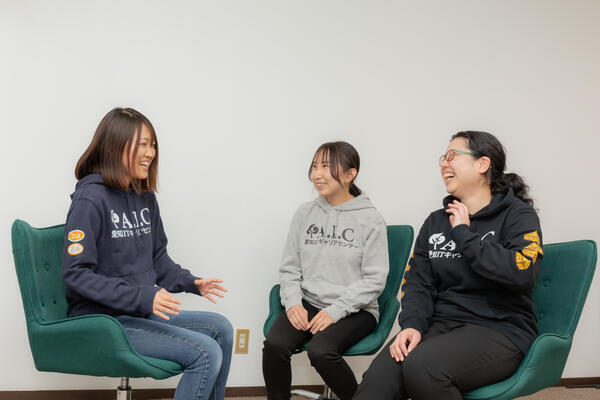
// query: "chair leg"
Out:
[306,393]
[327,394]
[124,390]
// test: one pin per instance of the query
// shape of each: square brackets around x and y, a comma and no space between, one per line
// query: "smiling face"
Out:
[141,157]
[464,173]
[321,177]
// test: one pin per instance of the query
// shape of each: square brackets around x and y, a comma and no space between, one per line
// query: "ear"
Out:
[350,175]
[484,164]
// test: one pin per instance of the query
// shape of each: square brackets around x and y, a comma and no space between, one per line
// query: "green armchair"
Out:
[566,274]
[88,345]
[400,239]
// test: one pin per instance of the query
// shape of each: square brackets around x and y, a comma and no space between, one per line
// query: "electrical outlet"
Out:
[242,337]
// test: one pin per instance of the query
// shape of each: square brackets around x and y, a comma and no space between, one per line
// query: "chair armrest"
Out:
[373,342]
[275,308]
[542,367]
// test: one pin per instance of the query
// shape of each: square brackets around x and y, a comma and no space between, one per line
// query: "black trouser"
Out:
[453,357]
[324,351]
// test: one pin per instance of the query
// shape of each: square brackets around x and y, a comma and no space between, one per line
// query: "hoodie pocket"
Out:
[144,278]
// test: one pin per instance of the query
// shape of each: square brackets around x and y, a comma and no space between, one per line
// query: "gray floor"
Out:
[558,393]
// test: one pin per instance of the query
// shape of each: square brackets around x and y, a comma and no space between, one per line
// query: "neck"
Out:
[338,198]
[477,200]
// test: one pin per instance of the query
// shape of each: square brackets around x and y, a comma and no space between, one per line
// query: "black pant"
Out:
[453,357]
[324,351]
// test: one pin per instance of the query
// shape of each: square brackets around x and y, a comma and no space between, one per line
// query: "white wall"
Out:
[241,93]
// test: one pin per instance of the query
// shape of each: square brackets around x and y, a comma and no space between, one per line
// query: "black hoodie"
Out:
[482,274]
[115,252]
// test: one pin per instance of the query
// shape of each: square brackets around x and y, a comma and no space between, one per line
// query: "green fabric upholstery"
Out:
[87,345]
[400,238]
[566,274]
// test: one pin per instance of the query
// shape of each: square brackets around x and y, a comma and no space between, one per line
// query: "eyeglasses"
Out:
[449,155]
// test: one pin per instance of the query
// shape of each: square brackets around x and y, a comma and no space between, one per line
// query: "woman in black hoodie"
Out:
[468,316]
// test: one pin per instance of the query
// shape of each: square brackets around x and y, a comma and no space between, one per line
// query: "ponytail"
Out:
[354,190]
[516,183]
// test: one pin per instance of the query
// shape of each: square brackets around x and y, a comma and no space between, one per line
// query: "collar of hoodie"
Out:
[360,202]
[499,202]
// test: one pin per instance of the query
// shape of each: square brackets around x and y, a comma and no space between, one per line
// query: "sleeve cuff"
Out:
[336,313]
[413,323]
[460,232]
[189,286]
[147,301]
[291,302]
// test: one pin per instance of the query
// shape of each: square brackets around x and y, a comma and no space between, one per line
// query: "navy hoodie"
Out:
[481,274]
[115,252]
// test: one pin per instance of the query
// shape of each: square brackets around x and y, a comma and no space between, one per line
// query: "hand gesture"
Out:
[320,322]
[209,286]
[298,317]
[164,302]
[409,336]
[459,214]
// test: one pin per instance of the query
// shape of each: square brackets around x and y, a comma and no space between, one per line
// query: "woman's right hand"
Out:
[398,349]
[164,302]
[298,317]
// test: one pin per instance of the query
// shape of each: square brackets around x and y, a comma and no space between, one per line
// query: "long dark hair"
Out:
[339,155]
[483,144]
[118,132]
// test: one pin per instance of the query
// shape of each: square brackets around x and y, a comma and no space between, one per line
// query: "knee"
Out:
[421,375]
[208,355]
[413,369]
[320,354]
[276,345]
[382,380]
[225,330]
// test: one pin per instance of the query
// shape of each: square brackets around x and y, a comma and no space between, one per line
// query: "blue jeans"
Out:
[201,342]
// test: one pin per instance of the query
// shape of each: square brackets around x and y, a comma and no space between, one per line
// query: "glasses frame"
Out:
[450,154]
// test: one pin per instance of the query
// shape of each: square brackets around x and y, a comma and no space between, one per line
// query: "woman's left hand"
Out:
[209,286]
[459,214]
[320,322]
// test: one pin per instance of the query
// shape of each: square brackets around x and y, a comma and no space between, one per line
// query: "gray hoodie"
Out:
[335,258]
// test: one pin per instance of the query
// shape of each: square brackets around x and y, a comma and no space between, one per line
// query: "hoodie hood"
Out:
[499,202]
[91,179]
[360,202]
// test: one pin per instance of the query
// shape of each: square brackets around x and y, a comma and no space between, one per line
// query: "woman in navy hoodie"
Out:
[115,259]
[467,316]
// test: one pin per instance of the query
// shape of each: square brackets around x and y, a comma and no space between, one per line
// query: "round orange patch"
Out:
[75,248]
[76,235]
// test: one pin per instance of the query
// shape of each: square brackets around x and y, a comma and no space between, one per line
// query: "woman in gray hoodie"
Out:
[334,266]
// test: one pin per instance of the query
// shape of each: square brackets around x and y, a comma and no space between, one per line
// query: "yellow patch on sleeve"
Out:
[75,248]
[408,267]
[532,251]
[401,294]
[403,281]
[532,237]
[522,261]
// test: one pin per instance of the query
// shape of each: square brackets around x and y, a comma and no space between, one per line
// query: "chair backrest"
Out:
[566,273]
[37,254]
[400,240]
